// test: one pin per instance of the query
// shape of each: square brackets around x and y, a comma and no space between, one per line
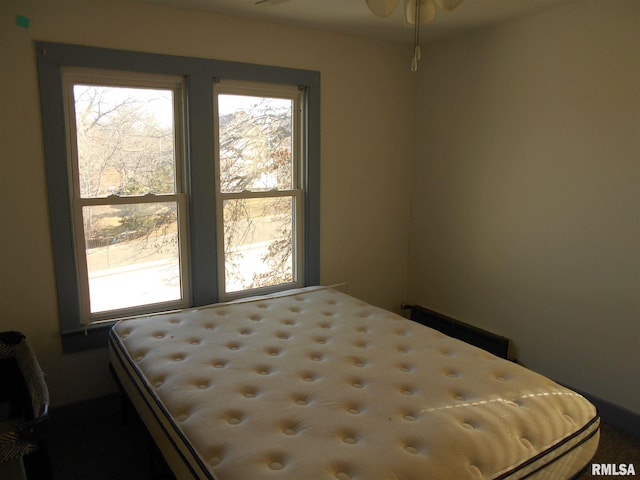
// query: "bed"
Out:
[314,384]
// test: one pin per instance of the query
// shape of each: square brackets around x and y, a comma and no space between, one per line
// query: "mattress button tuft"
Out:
[263,370]
[276,461]
[309,376]
[411,449]
[354,410]
[405,367]
[250,392]
[235,418]
[276,465]
[475,471]
[289,430]
[526,443]
[343,476]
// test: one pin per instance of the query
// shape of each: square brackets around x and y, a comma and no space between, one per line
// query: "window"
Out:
[258,183]
[129,207]
[175,182]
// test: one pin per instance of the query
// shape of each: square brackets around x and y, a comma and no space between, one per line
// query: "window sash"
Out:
[295,95]
[106,78]
[82,76]
[298,247]
[83,268]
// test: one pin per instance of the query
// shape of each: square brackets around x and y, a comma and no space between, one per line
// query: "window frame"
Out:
[296,192]
[199,74]
[72,76]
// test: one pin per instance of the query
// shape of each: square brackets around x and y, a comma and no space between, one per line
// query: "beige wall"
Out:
[367,133]
[526,217]
[525,213]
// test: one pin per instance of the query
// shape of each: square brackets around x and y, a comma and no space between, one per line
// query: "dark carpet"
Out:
[100,440]
[616,446]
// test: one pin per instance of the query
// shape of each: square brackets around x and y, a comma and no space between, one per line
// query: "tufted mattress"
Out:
[313,384]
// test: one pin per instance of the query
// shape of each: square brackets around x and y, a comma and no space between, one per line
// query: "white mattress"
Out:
[315,384]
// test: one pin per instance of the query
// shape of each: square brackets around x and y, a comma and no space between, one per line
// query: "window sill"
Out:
[94,338]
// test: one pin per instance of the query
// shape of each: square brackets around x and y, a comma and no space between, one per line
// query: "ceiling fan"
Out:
[416,13]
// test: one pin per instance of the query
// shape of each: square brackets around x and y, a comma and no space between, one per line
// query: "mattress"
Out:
[316,384]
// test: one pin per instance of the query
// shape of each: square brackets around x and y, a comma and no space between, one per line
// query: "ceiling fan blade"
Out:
[427,11]
[448,5]
[382,8]
[270,2]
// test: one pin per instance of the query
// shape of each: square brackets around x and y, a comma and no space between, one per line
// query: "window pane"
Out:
[256,142]
[125,139]
[132,254]
[258,242]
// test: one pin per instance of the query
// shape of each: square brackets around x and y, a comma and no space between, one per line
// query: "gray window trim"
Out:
[199,74]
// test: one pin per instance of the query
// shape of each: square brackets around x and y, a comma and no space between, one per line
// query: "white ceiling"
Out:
[353,16]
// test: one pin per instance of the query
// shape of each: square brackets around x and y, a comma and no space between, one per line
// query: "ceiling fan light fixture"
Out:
[448,5]
[382,8]
[419,11]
